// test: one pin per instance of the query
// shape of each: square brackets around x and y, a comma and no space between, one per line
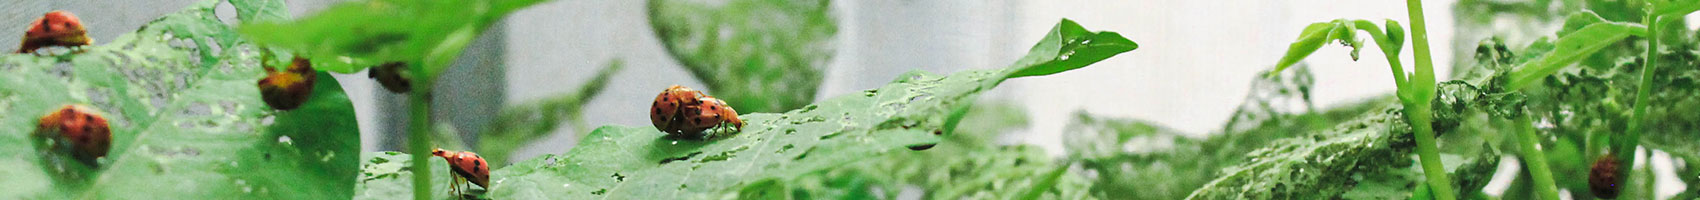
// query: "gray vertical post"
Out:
[467,95]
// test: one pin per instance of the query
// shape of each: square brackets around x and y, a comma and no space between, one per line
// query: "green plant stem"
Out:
[1637,120]
[1429,153]
[1534,159]
[1422,193]
[1398,70]
[418,139]
[1381,42]
[1625,147]
[1417,93]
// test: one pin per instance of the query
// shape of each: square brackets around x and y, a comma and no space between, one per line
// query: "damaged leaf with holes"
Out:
[187,121]
[968,163]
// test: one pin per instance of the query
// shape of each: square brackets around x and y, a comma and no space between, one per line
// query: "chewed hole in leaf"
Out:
[213,46]
[183,43]
[179,152]
[197,109]
[680,158]
[723,155]
[157,101]
[833,134]
[805,154]
[9,66]
[285,140]
[920,147]
[228,106]
[226,13]
[268,120]
[242,127]
[62,69]
[102,99]
[225,67]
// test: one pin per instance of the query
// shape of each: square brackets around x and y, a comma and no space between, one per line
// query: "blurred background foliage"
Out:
[758,55]
[520,125]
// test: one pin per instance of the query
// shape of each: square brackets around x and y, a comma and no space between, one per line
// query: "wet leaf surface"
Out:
[187,119]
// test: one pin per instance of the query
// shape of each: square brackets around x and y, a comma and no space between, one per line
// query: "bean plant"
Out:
[189,123]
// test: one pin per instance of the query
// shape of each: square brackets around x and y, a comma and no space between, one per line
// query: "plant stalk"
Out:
[1637,120]
[1429,152]
[418,137]
[1534,159]
[1417,93]
[1398,71]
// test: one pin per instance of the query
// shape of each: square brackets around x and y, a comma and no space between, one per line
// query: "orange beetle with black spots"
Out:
[708,114]
[78,130]
[686,113]
[664,111]
[466,166]
[288,89]
[57,28]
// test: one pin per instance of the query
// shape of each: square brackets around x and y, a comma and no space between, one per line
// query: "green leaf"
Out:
[967,164]
[1572,48]
[352,36]
[1133,157]
[1312,167]
[186,117]
[260,10]
[1674,7]
[758,55]
[1045,183]
[1576,21]
[1068,47]
[1395,38]
[1345,32]
[1312,38]
[642,163]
